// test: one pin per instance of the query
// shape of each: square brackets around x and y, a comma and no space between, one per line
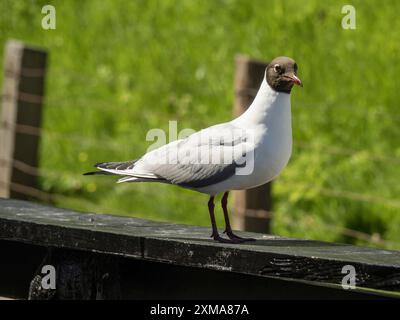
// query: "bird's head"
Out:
[281,74]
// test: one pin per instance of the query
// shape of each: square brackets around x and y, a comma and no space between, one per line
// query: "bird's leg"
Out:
[215,235]
[224,204]
[212,217]
[228,229]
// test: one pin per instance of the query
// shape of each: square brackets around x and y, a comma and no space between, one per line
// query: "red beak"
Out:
[295,80]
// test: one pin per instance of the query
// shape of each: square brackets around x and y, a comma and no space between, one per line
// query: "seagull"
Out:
[244,153]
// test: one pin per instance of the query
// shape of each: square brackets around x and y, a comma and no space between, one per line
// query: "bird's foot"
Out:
[233,236]
[218,238]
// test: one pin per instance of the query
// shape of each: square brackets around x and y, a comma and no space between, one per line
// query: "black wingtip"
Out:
[98,173]
[99,164]
[89,173]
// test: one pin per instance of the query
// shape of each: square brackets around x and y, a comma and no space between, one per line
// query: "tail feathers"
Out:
[108,166]
[121,168]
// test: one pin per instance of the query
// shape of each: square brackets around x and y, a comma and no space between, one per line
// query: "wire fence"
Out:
[54,197]
[336,193]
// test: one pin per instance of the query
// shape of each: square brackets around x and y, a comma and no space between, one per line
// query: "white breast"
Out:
[269,118]
[273,153]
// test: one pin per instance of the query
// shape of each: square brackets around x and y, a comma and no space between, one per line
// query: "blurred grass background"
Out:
[119,68]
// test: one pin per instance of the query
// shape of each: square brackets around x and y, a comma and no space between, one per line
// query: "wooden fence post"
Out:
[23,87]
[252,207]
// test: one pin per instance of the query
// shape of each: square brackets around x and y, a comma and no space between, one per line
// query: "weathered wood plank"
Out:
[269,256]
[144,279]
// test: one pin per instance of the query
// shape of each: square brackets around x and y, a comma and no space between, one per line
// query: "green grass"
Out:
[120,68]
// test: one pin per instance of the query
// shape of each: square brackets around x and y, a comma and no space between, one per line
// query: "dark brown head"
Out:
[281,74]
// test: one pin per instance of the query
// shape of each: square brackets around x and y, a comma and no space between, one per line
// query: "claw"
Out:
[230,240]
[231,235]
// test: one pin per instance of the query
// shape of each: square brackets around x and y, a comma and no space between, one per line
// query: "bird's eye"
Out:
[277,68]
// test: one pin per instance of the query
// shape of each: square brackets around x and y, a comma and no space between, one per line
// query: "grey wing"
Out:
[205,158]
[196,175]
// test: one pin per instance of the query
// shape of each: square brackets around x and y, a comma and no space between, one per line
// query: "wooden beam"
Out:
[252,207]
[292,261]
[21,115]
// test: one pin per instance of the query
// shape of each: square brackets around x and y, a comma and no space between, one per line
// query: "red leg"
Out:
[228,229]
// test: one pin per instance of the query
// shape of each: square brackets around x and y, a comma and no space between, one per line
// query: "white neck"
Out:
[267,104]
